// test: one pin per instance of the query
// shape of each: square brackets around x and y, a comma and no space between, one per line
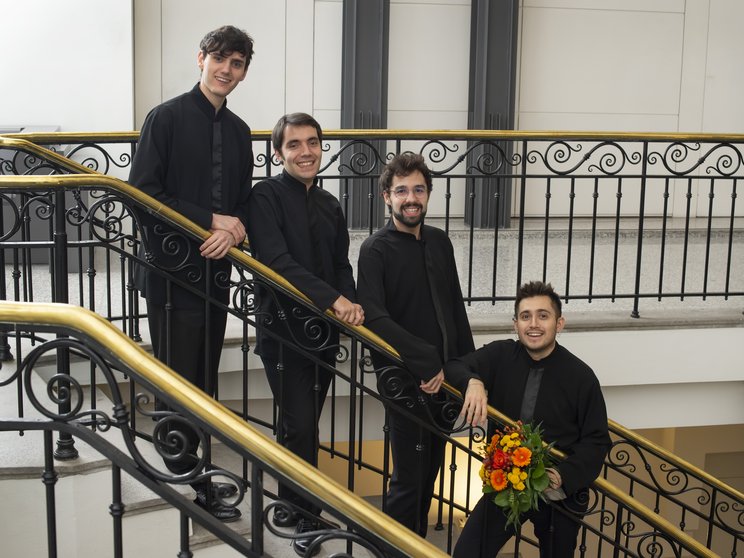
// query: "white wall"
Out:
[656,65]
[67,64]
[641,65]
[296,65]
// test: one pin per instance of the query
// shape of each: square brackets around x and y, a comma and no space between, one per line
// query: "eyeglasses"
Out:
[401,192]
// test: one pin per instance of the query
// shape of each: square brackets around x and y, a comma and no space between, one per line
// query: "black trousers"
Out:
[484,533]
[194,352]
[417,458]
[300,390]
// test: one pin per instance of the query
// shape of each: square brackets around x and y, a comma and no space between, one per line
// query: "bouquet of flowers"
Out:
[514,468]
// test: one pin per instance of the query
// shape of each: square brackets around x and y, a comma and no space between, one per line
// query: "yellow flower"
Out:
[516,477]
[483,473]
[520,486]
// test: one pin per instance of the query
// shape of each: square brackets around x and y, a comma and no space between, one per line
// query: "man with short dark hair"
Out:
[194,155]
[536,380]
[299,231]
[410,291]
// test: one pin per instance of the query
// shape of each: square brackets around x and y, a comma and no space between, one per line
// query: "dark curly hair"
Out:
[404,164]
[226,40]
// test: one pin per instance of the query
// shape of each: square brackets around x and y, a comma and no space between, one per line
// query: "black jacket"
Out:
[177,162]
[570,406]
[410,292]
[301,234]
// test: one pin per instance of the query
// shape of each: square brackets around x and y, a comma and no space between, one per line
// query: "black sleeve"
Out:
[150,166]
[268,242]
[479,364]
[420,357]
[465,343]
[342,268]
[584,463]
[241,208]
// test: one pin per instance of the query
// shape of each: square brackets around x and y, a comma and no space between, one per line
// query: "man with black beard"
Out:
[410,291]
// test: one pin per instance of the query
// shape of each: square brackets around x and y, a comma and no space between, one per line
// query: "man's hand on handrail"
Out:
[475,403]
[347,311]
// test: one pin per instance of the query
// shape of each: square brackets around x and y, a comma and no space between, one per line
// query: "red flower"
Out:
[499,460]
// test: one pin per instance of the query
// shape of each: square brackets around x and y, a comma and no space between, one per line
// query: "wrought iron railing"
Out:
[686,496]
[102,222]
[606,217]
[110,354]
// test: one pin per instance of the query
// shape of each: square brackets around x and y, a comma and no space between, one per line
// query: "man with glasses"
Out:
[410,291]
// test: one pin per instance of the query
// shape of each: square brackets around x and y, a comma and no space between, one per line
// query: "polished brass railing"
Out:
[61,182]
[367,525]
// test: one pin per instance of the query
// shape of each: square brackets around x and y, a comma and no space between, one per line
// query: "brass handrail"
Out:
[368,336]
[124,137]
[69,180]
[106,335]
[675,460]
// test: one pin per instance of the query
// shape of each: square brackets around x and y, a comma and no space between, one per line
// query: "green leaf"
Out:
[540,483]
[502,499]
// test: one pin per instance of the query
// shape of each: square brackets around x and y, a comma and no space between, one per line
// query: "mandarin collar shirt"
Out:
[410,291]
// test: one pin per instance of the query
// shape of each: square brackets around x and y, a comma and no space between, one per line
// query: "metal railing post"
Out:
[5,354]
[641,216]
[65,444]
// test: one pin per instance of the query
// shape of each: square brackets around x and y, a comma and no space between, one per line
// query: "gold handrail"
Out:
[94,327]
[676,461]
[64,181]
[368,336]
[261,135]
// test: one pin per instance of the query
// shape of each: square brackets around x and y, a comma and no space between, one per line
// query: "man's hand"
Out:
[231,224]
[475,403]
[347,311]
[433,385]
[555,478]
[217,245]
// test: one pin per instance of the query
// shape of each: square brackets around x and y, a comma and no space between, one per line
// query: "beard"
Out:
[408,220]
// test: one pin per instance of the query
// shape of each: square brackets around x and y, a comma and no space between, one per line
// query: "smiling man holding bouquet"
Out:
[540,383]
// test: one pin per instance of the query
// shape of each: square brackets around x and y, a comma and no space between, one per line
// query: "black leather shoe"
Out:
[224,489]
[220,511]
[284,517]
[301,545]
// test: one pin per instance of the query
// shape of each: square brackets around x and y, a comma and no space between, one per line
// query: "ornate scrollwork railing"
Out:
[561,180]
[113,202]
[108,350]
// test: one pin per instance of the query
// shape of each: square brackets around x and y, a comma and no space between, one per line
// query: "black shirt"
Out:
[411,296]
[301,234]
[569,406]
[197,161]
[175,161]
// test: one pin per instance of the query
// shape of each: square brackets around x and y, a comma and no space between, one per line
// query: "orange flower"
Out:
[498,480]
[521,457]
